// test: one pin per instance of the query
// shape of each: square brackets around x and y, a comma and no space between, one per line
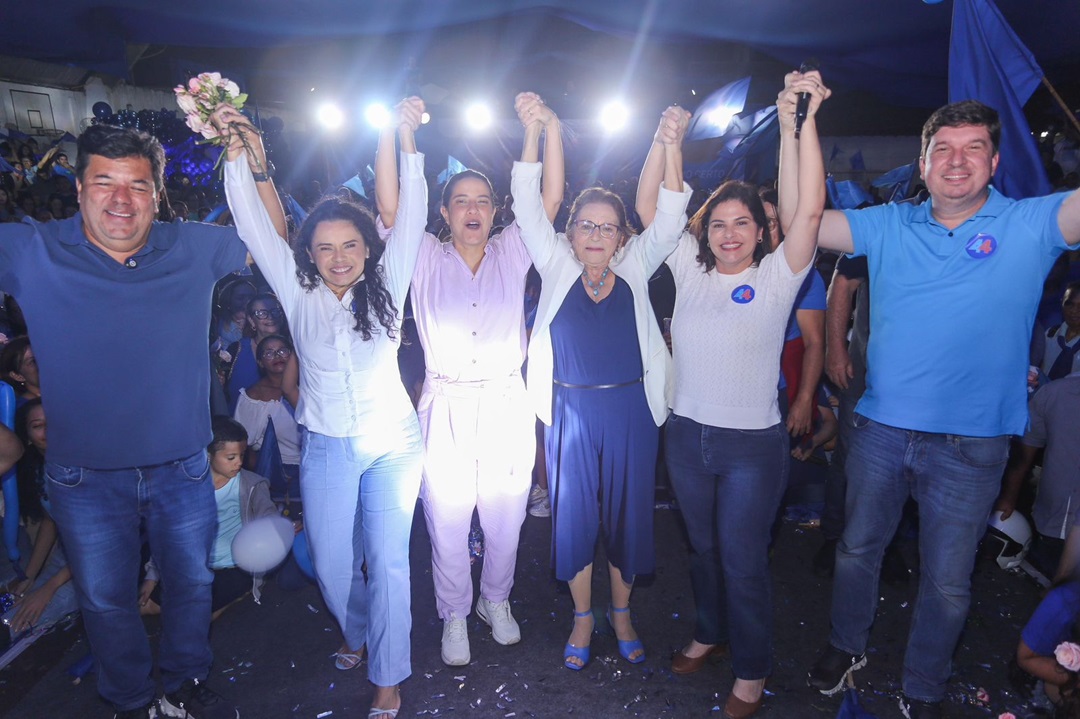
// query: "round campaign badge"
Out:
[742,294]
[981,246]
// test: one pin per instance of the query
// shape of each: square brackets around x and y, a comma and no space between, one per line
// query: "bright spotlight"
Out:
[425,118]
[614,116]
[478,116]
[330,116]
[377,115]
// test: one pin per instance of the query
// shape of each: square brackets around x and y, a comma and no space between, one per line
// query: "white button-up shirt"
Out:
[348,386]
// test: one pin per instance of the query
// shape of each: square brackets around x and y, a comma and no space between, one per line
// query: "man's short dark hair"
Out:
[117,143]
[225,429]
[965,112]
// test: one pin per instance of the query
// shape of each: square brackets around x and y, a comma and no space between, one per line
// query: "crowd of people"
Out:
[752,374]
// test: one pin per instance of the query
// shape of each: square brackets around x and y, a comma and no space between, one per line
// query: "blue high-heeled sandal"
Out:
[626,648]
[572,652]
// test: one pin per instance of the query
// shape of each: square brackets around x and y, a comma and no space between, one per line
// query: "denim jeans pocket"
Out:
[196,467]
[63,475]
[981,451]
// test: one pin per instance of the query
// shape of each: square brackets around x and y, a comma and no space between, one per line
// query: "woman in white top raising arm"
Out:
[342,290]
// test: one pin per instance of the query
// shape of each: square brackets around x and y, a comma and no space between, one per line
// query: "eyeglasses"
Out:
[279,353]
[587,227]
[267,314]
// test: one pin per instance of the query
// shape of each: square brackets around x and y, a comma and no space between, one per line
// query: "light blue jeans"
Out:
[955,480]
[359,498]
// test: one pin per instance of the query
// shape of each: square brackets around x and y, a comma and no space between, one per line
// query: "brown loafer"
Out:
[682,664]
[736,708]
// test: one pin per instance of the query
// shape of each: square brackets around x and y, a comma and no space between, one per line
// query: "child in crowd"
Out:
[241,496]
[46,594]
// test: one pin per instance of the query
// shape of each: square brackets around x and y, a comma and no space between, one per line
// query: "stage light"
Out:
[377,115]
[614,116]
[425,118]
[478,116]
[330,116]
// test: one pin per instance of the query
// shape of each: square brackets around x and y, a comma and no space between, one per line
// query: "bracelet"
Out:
[265,176]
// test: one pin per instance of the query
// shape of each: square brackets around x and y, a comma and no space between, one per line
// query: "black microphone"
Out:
[803,104]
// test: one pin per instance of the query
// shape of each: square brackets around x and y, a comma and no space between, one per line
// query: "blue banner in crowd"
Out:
[847,195]
[988,63]
[453,167]
[713,117]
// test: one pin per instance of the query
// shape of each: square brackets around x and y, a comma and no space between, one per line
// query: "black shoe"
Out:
[915,709]
[894,570]
[831,670]
[150,711]
[195,700]
[825,559]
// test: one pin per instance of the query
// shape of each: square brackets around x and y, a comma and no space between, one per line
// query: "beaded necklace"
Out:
[595,287]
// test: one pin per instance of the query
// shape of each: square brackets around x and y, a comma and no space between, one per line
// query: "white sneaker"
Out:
[539,504]
[497,616]
[455,642]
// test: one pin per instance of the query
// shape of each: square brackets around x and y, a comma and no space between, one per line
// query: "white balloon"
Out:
[262,543]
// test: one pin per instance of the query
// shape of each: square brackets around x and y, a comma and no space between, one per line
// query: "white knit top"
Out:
[727,333]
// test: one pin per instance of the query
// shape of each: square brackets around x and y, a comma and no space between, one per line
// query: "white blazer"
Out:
[560,269]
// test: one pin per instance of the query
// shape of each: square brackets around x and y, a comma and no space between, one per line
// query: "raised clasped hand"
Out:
[673,125]
[408,114]
[530,108]
[242,135]
[796,83]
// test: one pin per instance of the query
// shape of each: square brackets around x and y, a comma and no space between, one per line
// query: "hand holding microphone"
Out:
[802,107]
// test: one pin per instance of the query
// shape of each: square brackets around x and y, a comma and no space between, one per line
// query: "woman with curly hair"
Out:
[342,290]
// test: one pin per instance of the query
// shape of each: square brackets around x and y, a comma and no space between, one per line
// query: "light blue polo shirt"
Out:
[952,312]
[122,349]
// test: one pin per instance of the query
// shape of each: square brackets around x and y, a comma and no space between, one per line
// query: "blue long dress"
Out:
[602,443]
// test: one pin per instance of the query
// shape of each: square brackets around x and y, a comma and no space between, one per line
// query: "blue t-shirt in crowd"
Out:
[953,311]
[1053,620]
[121,348]
[811,297]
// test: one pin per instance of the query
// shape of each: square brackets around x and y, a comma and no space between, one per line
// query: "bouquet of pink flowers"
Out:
[202,96]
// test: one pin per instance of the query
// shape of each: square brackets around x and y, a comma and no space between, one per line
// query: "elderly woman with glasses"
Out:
[597,370]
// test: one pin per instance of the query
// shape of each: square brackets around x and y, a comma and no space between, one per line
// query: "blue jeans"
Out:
[359,498]
[98,513]
[728,483]
[955,480]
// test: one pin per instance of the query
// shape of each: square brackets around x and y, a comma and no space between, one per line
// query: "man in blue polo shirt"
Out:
[118,307]
[956,284]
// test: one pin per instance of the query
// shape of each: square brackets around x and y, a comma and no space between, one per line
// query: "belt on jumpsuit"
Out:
[596,386]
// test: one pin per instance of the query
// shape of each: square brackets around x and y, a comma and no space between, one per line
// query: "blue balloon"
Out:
[102,109]
[302,554]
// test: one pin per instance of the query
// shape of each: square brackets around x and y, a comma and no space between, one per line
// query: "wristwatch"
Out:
[265,176]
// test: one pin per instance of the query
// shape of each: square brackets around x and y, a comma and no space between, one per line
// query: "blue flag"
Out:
[5,166]
[453,167]
[355,184]
[988,63]
[857,162]
[299,213]
[898,182]
[847,195]
[713,117]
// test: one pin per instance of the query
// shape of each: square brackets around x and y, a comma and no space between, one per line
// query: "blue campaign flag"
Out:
[898,180]
[5,166]
[453,167]
[988,63]
[355,184]
[299,213]
[847,195]
[713,117]
[857,162]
